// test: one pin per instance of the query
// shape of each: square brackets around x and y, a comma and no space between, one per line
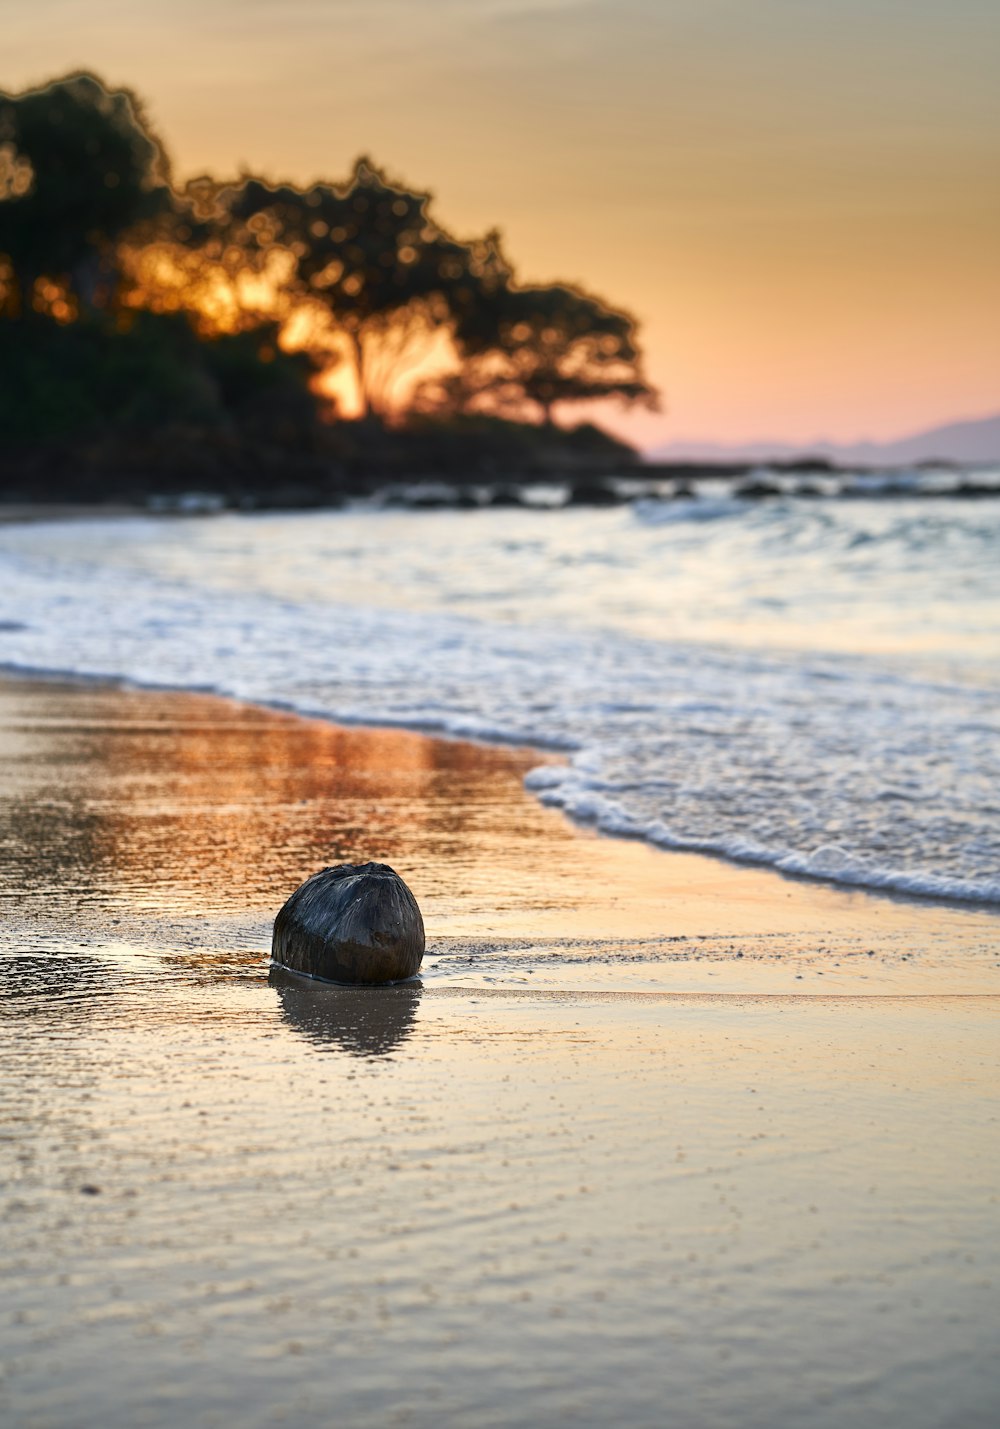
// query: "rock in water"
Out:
[357,922]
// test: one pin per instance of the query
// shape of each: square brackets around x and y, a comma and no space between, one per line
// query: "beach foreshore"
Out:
[157,808]
[651,1132]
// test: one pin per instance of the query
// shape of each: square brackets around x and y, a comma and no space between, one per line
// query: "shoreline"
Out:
[544,491]
[542,754]
[591,902]
[781,794]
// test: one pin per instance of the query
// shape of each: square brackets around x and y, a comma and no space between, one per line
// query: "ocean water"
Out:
[809,684]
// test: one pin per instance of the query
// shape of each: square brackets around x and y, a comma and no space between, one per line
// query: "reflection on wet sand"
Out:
[176,802]
[33,983]
[364,1021]
[152,809]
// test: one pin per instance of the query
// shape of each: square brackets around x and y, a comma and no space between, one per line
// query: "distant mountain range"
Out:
[972,441]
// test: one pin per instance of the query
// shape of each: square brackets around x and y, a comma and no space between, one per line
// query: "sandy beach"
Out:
[550,448]
[655,1138]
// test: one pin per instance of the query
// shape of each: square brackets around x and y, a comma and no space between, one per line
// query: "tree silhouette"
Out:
[371,256]
[538,345]
[199,302]
[78,166]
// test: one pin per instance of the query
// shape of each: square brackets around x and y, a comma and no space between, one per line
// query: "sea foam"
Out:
[877,773]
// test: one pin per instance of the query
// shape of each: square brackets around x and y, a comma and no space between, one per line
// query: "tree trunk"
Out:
[358,352]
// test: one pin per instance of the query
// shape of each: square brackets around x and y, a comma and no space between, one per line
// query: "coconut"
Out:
[357,922]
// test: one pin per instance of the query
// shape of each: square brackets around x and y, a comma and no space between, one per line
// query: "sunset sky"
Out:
[800,199]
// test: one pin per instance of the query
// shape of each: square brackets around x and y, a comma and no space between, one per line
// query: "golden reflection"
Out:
[188,803]
[171,806]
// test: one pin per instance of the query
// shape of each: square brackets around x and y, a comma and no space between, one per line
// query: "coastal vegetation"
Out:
[260,339]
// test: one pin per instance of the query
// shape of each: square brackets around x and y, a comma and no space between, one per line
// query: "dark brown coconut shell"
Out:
[357,922]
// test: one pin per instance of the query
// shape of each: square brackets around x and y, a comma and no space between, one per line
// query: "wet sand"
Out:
[655,1139]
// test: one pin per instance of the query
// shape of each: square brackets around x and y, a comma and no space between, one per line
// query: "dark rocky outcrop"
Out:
[355,923]
[593,493]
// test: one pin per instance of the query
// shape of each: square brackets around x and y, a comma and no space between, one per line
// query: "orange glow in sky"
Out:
[800,200]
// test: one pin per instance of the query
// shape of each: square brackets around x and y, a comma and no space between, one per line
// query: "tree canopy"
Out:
[79,166]
[370,254]
[543,346]
[358,273]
